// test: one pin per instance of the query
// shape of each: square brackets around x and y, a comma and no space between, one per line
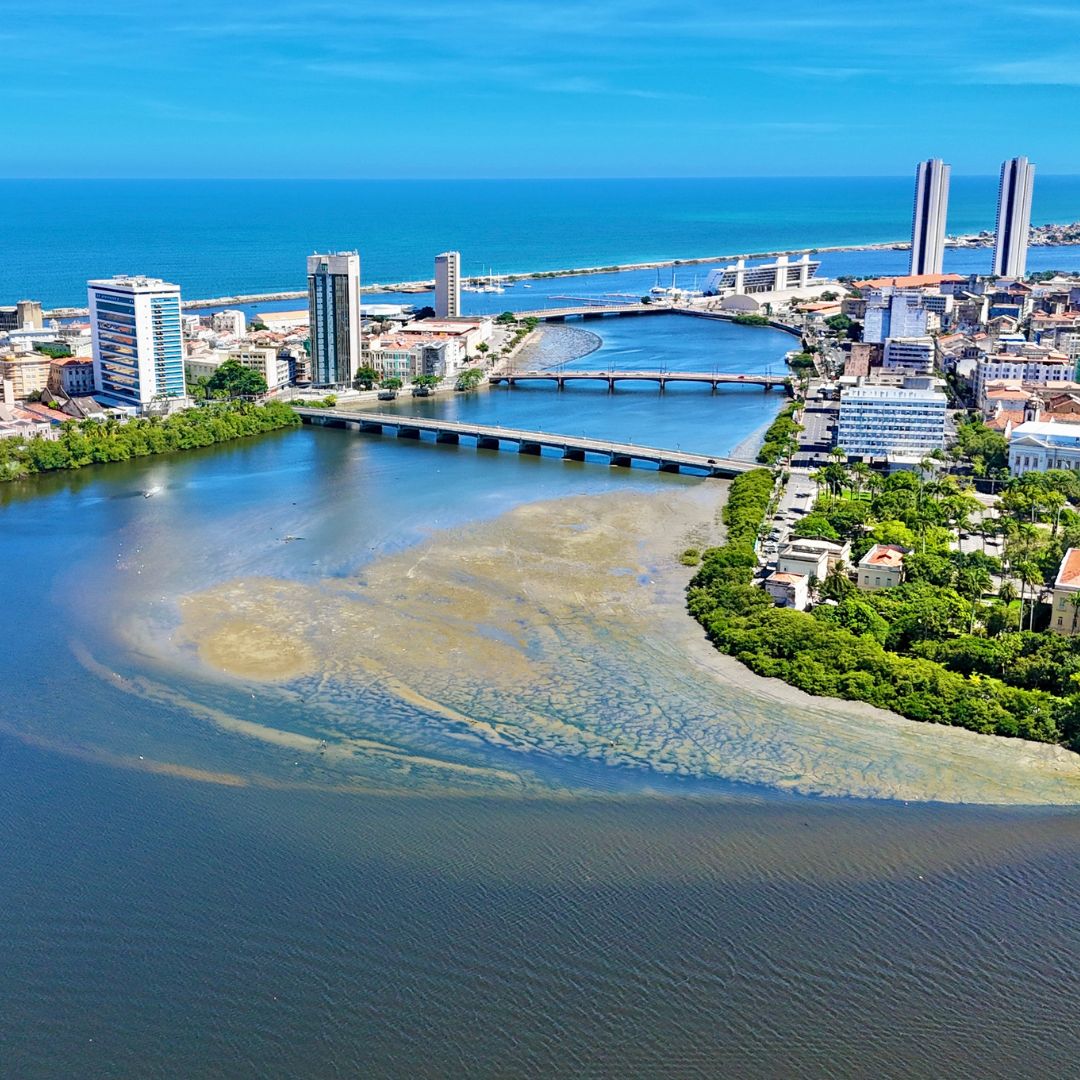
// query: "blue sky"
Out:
[536,87]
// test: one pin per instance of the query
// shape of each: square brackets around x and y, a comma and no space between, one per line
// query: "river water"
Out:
[346,756]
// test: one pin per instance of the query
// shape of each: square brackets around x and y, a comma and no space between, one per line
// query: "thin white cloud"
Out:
[1039,71]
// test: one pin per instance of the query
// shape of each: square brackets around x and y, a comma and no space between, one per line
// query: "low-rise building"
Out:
[231,323]
[882,567]
[74,375]
[1065,607]
[26,314]
[788,590]
[470,332]
[1034,365]
[28,372]
[811,558]
[267,361]
[1038,445]
[283,320]
[892,421]
[914,356]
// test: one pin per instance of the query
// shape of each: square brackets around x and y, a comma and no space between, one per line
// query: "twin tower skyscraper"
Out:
[1013,217]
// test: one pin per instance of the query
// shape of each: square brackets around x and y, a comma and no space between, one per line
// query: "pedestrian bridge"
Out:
[494,437]
[560,378]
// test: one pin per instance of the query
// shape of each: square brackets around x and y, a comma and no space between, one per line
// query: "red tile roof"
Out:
[1069,572]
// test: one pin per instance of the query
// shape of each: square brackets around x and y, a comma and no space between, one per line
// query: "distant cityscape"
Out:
[897,358]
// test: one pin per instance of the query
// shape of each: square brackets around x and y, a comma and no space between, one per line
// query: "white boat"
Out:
[151,491]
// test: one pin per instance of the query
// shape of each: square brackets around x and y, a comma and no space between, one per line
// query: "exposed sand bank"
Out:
[559,630]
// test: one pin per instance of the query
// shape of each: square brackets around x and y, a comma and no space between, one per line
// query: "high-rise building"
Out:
[334,306]
[448,285]
[136,340]
[893,313]
[1013,217]
[928,219]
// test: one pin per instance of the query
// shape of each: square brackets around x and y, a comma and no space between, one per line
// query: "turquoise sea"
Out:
[217,238]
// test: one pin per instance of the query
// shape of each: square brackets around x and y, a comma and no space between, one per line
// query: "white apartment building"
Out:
[230,323]
[1051,370]
[891,421]
[274,368]
[1038,445]
[912,356]
[136,339]
[265,360]
[928,217]
[448,285]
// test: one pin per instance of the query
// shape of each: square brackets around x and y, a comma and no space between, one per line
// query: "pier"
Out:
[591,311]
[663,378]
[493,437]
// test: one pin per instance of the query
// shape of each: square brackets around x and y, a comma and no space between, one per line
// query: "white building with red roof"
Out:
[1065,612]
[882,567]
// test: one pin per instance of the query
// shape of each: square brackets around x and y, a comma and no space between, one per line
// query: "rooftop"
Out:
[908,281]
[1045,429]
[133,283]
[1069,572]
[888,556]
[785,578]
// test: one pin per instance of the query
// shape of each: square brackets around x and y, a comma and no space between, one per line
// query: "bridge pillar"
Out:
[623,461]
[408,432]
[572,453]
[611,386]
[487,442]
[670,466]
[451,437]
[532,448]
[370,425]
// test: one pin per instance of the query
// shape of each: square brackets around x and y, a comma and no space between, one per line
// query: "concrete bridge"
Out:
[490,437]
[712,379]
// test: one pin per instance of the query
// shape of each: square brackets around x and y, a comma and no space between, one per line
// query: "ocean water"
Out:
[217,238]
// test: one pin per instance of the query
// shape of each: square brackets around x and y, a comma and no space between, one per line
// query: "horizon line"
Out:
[488,179]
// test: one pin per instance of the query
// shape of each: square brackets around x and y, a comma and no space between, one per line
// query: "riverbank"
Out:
[839,656]
[92,442]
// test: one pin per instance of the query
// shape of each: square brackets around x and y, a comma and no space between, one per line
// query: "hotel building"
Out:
[448,285]
[928,219]
[136,341]
[334,307]
[1013,217]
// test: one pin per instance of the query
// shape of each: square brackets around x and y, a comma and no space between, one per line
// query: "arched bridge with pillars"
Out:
[712,379]
[492,437]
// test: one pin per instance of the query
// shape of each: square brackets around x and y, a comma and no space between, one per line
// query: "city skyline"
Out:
[634,91]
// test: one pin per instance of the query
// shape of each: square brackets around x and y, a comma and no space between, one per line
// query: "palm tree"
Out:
[1032,575]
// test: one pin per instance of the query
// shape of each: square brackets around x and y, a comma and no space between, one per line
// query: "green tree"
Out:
[365,378]
[235,380]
